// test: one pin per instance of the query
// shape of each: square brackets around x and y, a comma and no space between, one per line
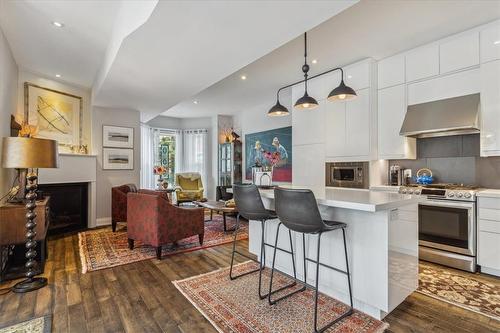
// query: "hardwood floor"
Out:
[139,297]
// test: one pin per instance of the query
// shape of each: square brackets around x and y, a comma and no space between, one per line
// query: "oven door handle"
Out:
[442,203]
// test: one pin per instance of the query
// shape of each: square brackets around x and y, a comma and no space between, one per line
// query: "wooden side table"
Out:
[217,206]
[13,237]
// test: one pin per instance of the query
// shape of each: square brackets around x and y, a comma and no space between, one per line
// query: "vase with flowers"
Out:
[273,159]
[160,171]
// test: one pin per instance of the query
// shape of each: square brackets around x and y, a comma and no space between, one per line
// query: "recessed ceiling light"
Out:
[58,75]
[349,76]
[314,61]
[58,24]
[195,102]
[243,77]
[496,42]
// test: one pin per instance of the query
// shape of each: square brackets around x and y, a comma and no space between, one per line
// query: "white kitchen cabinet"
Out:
[422,62]
[459,52]
[309,165]
[358,75]
[490,43]
[349,129]
[488,236]
[490,108]
[445,86]
[391,112]
[358,125]
[308,126]
[391,71]
[335,130]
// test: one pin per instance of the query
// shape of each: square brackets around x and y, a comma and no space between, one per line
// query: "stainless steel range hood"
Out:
[451,116]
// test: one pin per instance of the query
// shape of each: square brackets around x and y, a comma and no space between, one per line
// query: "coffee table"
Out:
[217,206]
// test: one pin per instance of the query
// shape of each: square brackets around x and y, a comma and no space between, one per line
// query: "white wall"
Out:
[109,178]
[43,81]
[8,99]
[255,119]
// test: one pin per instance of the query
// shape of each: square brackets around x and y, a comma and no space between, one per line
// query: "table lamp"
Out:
[29,153]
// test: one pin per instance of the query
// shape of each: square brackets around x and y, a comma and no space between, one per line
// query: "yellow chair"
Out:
[189,187]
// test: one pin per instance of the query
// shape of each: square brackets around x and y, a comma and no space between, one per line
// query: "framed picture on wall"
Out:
[58,115]
[117,159]
[117,136]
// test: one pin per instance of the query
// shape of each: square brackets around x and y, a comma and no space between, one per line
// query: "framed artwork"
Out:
[117,136]
[117,159]
[270,149]
[58,115]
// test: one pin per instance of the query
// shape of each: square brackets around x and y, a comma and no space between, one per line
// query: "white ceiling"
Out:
[187,46]
[368,29]
[74,51]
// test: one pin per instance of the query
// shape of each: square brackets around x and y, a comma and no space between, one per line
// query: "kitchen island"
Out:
[382,244]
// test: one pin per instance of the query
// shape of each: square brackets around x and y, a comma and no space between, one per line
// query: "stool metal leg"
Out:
[316,294]
[272,302]
[236,228]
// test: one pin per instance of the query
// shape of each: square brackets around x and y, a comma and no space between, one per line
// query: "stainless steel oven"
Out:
[347,174]
[447,232]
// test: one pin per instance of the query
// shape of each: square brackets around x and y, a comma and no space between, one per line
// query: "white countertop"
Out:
[363,200]
[489,193]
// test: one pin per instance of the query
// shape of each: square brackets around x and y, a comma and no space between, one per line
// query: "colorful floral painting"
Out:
[268,149]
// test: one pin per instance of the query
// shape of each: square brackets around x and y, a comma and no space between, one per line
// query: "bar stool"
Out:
[249,205]
[298,211]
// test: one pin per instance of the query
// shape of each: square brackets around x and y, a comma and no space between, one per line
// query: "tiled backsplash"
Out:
[455,159]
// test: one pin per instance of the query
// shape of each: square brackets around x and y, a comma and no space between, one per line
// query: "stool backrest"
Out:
[248,202]
[298,210]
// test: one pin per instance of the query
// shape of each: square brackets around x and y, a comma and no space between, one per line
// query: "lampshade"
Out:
[24,153]
[278,110]
[342,93]
[306,102]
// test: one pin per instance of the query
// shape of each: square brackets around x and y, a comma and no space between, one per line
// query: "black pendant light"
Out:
[306,101]
[342,92]
[278,110]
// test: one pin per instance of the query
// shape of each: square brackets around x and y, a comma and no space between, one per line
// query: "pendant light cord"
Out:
[305,68]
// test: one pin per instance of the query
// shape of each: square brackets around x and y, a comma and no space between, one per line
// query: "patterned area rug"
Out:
[233,306]
[103,248]
[37,325]
[466,292]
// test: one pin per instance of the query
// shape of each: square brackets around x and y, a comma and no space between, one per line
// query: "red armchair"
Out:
[119,203]
[153,220]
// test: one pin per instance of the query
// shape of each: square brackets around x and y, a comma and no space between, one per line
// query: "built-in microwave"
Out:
[347,174]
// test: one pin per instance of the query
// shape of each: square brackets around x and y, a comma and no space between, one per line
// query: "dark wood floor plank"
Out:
[140,297]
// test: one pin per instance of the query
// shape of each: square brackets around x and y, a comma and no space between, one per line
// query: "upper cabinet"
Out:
[490,43]
[490,108]
[357,76]
[308,126]
[391,113]
[422,62]
[391,71]
[459,52]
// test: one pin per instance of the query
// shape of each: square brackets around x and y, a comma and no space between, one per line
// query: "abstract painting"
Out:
[118,159]
[58,115]
[117,137]
[268,149]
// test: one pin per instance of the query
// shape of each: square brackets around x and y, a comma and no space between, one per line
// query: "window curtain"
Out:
[147,156]
[195,151]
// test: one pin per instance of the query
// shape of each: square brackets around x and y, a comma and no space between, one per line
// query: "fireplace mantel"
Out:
[75,168]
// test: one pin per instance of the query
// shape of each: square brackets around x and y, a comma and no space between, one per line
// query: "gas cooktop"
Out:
[442,191]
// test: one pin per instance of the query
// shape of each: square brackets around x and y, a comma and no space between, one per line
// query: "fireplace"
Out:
[68,206]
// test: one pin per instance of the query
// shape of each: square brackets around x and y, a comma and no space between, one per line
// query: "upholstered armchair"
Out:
[154,221]
[188,187]
[119,203]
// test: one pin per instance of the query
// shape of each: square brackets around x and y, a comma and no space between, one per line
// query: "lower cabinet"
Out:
[488,235]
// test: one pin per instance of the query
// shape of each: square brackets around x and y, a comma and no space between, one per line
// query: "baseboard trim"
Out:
[103,221]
